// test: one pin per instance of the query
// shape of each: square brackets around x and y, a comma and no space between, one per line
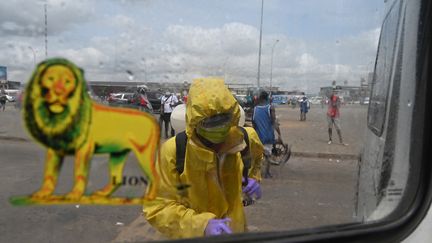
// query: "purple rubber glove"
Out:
[217,227]
[252,188]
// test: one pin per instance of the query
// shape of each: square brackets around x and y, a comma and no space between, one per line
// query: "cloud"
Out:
[27,18]
[106,45]
[89,56]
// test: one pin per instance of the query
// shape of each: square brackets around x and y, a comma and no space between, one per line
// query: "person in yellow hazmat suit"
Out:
[206,198]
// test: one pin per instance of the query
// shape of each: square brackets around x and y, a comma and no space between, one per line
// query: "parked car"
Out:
[10,98]
[154,98]
[279,99]
[120,99]
[316,100]
[241,99]
[365,101]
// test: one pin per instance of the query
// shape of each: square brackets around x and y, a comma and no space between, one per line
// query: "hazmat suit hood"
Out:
[208,97]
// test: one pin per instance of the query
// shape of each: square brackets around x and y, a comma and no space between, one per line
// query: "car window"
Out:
[383,71]
[341,78]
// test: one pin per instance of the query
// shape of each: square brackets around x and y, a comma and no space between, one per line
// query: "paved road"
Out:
[307,192]
[311,136]
[21,174]
[307,138]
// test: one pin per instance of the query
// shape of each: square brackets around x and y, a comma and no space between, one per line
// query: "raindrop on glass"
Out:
[409,103]
[130,75]
[101,64]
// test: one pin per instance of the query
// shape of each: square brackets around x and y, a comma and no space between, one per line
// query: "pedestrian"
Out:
[304,108]
[168,102]
[3,99]
[333,116]
[184,98]
[142,101]
[264,122]
[200,192]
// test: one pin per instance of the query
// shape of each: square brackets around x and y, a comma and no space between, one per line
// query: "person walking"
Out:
[333,117]
[264,122]
[142,101]
[168,102]
[201,188]
[304,108]
[3,99]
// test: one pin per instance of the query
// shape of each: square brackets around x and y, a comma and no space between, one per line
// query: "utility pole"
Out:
[259,52]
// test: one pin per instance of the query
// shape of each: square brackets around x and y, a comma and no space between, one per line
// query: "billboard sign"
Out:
[3,73]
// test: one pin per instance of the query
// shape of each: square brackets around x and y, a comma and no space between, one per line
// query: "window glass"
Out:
[317,162]
[383,71]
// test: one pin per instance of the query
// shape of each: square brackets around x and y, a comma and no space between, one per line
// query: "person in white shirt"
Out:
[168,102]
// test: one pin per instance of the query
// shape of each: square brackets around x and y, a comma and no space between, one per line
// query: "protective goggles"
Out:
[217,121]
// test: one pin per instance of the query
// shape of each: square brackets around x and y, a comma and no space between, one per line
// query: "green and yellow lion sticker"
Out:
[60,115]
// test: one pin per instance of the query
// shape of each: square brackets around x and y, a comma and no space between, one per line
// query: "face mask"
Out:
[215,135]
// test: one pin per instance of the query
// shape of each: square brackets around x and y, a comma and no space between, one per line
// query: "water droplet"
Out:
[101,64]
[409,103]
[130,75]
[77,206]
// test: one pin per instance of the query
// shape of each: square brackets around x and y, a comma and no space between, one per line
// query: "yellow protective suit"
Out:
[214,179]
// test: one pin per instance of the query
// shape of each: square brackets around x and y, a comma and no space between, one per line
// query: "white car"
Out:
[315,100]
[120,98]
[10,98]
[366,101]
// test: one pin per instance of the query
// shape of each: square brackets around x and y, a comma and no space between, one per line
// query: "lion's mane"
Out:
[65,131]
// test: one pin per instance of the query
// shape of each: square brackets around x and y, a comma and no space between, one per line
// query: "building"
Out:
[349,93]
[104,88]
[8,84]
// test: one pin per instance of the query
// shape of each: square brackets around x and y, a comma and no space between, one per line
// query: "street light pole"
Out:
[271,65]
[259,53]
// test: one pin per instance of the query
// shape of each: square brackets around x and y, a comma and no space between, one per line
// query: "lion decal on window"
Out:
[60,115]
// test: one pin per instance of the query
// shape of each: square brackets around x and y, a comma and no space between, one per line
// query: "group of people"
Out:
[208,171]
[333,115]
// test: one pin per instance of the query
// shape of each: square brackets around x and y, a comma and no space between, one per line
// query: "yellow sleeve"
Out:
[257,150]
[166,213]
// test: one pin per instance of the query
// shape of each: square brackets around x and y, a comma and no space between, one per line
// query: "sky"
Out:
[311,42]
